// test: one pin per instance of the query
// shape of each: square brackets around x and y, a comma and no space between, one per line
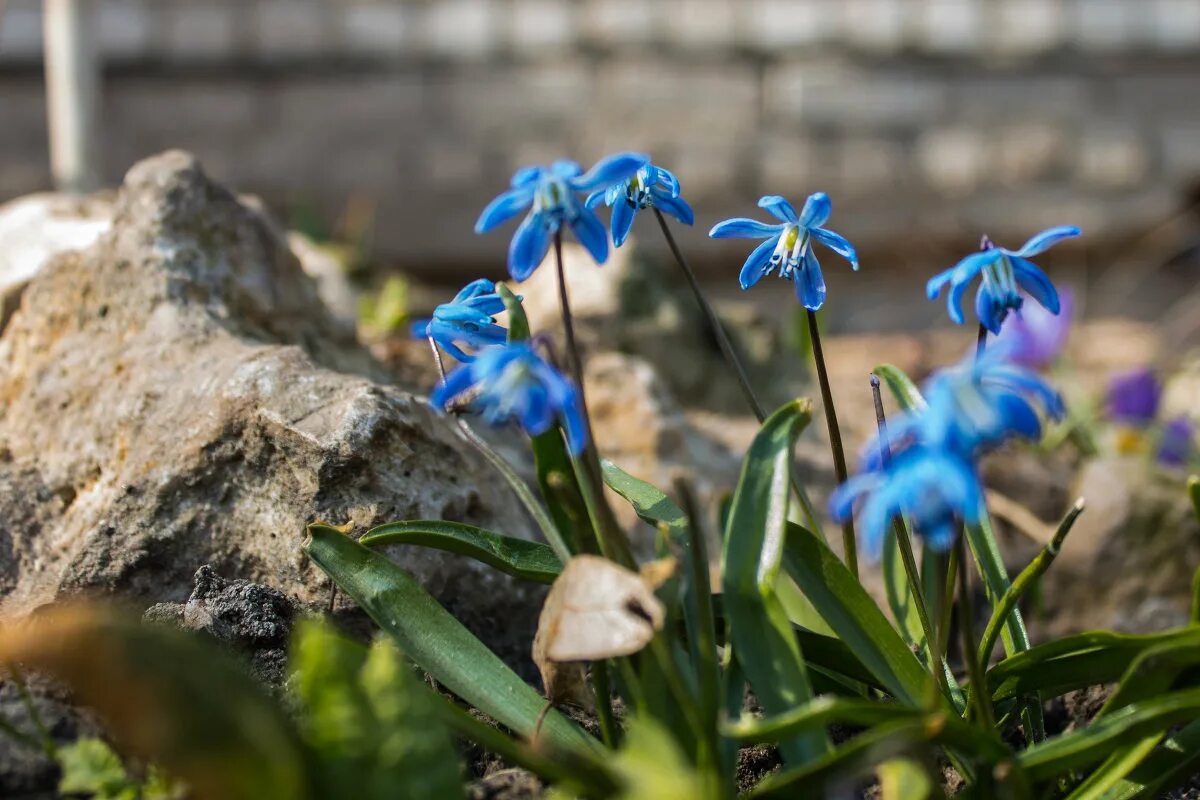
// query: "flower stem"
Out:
[729,352]
[979,693]
[980,341]
[903,540]
[610,537]
[835,437]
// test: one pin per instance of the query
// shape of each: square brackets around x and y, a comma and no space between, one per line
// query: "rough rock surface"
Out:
[177,395]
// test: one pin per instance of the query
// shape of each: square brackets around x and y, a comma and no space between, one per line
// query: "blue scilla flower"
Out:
[552,196]
[1004,272]
[934,487]
[650,187]
[468,319]
[789,245]
[514,383]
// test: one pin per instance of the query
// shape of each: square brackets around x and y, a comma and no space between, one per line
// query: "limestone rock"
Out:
[177,395]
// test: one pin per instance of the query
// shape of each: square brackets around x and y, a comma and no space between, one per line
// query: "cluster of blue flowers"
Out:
[930,475]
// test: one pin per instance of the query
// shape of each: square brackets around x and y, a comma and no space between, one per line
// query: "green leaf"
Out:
[518,323]
[854,616]
[169,697]
[529,561]
[89,766]
[757,625]
[649,502]
[651,765]
[376,727]
[1193,486]
[907,395]
[905,779]
[1166,767]
[1045,760]
[435,640]
[900,596]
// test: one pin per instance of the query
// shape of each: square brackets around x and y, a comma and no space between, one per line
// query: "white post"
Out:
[72,93]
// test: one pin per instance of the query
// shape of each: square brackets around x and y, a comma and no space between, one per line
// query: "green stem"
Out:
[610,537]
[946,604]
[978,692]
[849,542]
[1024,581]
[604,711]
[515,482]
[729,352]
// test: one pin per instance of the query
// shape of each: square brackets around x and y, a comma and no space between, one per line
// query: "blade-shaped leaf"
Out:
[170,698]
[757,624]
[529,561]
[1193,486]
[518,323]
[435,640]
[907,395]
[648,501]
[854,616]
[1170,765]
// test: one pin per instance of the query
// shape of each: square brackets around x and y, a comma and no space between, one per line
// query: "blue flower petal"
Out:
[597,197]
[455,352]
[742,228]
[816,211]
[504,208]
[622,220]
[778,207]
[610,170]
[991,314]
[810,283]
[1043,241]
[530,244]
[666,180]
[475,288]
[566,170]
[934,286]
[589,230]
[837,243]
[526,176]
[1031,278]
[677,207]
[758,264]
[457,382]
[420,329]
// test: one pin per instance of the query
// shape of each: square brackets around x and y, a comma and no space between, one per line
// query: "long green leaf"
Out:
[907,395]
[854,616]
[1174,762]
[757,623]
[529,561]
[650,503]
[436,641]
[1047,759]
[1193,486]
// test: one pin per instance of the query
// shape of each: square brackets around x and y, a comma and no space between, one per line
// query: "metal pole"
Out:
[72,93]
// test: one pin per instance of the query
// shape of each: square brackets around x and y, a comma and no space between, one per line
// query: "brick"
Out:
[775,24]
[1025,151]
[1000,96]
[1175,24]
[795,165]
[953,159]
[466,30]
[1169,94]
[1181,149]
[21,30]
[540,26]
[451,164]
[1103,25]
[703,24]
[206,30]
[513,102]
[372,28]
[708,169]
[823,93]
[875,25]
[291,28]
[125,28]
[1114,159]
[952,26]
[869,164]
[1028,26]
[616,23]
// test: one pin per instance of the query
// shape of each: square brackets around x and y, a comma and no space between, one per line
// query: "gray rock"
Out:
[177,395]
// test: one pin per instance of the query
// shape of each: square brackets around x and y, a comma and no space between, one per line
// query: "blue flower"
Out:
[935,489]
[1133,397]
[468,319]
[552,196]
[514,383]
[789,245]
[1035,336]
[1004,271]
[1178,442]
[651,187]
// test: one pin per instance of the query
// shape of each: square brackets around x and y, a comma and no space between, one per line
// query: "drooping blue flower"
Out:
[936,489]
[1178,442]
[1004,271]
[468,319]
[789,245]
[1133,396]
[552,196]
[513,383]
[650,187]
[1035,336]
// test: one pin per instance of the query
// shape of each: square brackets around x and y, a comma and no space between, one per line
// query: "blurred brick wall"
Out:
[917,116]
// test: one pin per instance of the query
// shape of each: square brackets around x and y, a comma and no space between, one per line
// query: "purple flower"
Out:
[1034,336]
[1178,442]
[1133,396]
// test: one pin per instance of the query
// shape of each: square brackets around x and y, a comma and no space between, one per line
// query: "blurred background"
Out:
[388,124]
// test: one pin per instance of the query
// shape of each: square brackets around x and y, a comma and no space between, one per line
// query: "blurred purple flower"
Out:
[1035,337]
[1133,396]
[1178,441]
